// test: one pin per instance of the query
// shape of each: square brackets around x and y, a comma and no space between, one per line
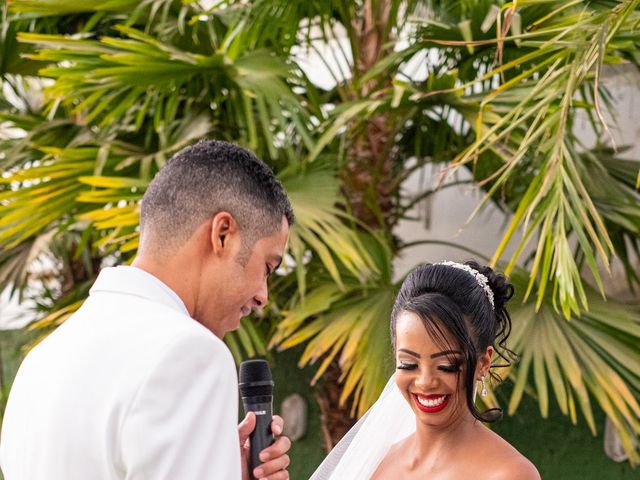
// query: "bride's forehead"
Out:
[408,323]
[411,329]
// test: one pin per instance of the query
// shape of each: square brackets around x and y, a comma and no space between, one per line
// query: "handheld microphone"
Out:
[256,390]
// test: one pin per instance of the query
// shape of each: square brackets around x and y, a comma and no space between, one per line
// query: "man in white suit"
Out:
[138,384]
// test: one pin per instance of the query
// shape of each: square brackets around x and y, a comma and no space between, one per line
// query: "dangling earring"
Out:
[483,393]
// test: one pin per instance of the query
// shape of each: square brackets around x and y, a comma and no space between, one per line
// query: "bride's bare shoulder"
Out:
[517,468]
[391,463]
[507,463]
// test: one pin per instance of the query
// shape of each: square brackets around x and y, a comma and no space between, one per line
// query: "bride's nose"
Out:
[426,379]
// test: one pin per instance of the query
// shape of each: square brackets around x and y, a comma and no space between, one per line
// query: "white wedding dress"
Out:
[359,453]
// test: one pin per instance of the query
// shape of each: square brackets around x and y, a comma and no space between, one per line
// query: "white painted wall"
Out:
[12,313]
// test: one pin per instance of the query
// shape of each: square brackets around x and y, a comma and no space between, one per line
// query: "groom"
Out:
[138,383]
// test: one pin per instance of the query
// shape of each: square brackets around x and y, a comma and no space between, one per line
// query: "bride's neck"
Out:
[433,443]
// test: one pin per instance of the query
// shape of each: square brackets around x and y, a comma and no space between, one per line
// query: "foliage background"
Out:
[128,83]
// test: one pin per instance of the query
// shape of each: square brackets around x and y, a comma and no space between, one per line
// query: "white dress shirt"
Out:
[130,387]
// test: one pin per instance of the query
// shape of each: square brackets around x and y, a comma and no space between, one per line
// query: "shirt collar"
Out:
[137,282]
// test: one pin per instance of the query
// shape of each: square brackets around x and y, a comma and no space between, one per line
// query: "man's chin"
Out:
[233,325]
[225,326]
[222,328]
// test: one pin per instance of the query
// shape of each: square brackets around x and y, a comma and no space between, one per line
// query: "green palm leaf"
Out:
[65,7]
[588,358]
[321,227]
[352,326]
[348,322]
[557,201]
[131,78]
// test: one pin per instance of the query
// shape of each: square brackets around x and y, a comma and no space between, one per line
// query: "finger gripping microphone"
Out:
[256,390]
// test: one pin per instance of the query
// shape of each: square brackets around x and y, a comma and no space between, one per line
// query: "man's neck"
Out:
[172,273]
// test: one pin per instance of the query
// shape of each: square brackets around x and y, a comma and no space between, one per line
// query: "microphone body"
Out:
[261,437]
[256,390]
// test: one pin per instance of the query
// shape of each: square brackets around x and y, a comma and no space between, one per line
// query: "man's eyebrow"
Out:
[446,352]
[410,352]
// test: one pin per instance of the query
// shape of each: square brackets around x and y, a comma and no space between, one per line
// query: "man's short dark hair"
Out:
[203,180]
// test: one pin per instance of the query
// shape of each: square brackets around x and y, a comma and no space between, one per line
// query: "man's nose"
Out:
[262,297]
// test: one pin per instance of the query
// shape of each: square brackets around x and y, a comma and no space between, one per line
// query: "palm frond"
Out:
[348,322]
[351,326]
[323,228]
[591,357]
[119,82]
[66,7]
[163,17]
[557,201]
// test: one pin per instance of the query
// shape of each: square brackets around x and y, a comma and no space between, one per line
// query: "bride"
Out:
[447,323]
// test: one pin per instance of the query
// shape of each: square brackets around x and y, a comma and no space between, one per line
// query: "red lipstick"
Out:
[437,400]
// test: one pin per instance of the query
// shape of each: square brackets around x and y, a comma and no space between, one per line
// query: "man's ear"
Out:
[223,227]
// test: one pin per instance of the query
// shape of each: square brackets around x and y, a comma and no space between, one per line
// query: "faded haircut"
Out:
[205,179]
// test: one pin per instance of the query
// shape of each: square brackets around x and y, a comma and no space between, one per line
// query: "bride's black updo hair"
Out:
[452,304]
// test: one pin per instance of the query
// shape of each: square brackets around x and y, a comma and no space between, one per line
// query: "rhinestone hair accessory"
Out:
[482,280]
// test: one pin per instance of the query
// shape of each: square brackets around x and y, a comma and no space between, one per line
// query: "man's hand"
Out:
[275,459]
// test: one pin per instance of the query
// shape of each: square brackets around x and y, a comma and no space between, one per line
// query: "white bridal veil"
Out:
[361,450]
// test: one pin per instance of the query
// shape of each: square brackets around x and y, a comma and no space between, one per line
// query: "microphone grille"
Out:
[255,378]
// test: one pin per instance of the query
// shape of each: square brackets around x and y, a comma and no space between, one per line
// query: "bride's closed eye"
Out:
[407,366]
[453,368]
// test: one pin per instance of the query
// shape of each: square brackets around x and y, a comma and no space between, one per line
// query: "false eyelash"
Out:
[450,368]
[407,366]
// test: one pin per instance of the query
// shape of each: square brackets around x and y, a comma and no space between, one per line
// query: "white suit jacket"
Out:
[130,387]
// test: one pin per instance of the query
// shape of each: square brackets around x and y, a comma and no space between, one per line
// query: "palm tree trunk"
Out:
[367,180]
[367,183]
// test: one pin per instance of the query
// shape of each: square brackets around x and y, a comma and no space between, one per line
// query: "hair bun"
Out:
[500,286]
